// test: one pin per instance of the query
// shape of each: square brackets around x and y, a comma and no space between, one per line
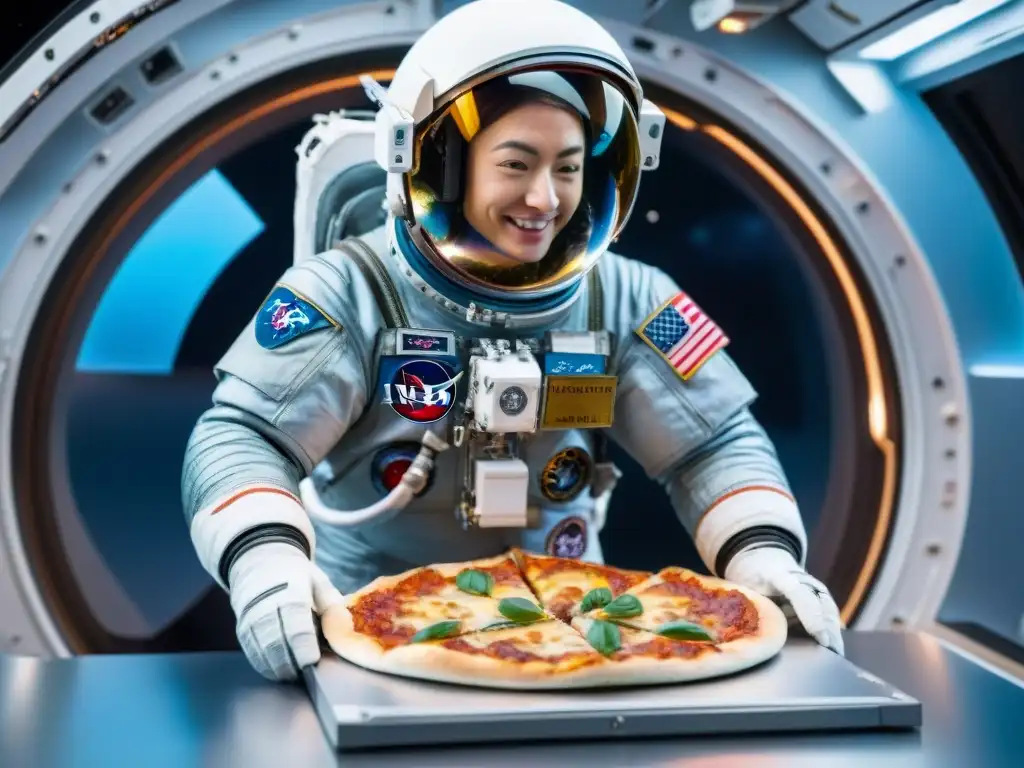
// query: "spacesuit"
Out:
[420,394]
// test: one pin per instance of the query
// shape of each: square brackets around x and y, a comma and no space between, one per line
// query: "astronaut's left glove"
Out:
[774,573]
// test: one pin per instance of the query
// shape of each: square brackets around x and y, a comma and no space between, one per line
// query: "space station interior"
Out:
[841,187]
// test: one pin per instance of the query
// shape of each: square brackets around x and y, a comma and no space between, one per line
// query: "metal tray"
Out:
[804,688]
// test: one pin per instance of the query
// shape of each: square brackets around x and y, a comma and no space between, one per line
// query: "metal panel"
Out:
[833,23]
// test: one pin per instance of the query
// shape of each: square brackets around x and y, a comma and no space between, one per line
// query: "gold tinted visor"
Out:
[610,178]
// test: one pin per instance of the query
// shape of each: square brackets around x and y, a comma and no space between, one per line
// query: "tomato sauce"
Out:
[734,615]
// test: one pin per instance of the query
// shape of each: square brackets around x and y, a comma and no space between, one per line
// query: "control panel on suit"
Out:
[517,420]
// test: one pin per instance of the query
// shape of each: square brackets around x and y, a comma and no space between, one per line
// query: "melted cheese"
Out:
[451,603]
[548,640]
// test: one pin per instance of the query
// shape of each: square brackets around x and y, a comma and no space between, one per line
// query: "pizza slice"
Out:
[433,602]
[681,604]
[544,655]
[641,657]
[566,587]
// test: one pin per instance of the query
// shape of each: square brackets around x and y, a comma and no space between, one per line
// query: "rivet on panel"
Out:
[950,414]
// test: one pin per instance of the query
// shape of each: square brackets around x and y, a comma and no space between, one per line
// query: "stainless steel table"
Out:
[210,709]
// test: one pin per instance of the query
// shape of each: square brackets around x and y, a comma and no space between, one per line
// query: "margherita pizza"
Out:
[522,621]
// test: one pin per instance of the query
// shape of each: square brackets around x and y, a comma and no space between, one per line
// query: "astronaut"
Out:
[442,388]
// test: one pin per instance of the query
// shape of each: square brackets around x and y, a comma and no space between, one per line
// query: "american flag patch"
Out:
[682,334]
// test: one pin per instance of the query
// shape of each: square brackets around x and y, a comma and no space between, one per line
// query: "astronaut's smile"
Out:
[531,230]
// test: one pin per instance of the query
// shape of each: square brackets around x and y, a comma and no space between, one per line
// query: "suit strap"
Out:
[384,291]
[595,297]
[595,322]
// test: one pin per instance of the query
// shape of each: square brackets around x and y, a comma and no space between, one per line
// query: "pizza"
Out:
[530,622]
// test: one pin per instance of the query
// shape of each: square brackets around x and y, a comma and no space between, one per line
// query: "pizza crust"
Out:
[717,661]
[435,662]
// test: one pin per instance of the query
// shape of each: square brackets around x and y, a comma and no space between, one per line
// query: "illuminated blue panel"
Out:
[145,311]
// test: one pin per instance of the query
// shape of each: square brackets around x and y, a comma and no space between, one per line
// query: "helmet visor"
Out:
[521,182]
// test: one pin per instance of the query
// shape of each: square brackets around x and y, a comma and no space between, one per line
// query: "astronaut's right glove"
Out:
[275,590]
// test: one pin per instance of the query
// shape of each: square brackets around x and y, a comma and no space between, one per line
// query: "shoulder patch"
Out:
[285,315]
[682,335]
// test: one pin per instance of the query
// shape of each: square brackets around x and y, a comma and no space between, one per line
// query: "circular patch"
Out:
[512,401]
[566,474]
[422,390]
[389,465]
[568,538]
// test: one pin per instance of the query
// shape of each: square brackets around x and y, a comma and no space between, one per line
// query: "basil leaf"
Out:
[684,630]
[437,631]
[475,582]
[520,610]
[595,598]
[623,607]
[604,637]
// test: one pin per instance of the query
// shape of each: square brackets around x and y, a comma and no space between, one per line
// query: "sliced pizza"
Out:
[433,602]
[544,655]
[640,657]
[566,587]
[682,604]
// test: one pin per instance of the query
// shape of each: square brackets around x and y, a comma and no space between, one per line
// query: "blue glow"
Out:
[145,311]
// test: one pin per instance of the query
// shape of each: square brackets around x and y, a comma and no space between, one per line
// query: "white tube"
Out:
[400,496]
[414,479]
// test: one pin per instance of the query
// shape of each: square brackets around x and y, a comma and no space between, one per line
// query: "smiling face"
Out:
[524,179]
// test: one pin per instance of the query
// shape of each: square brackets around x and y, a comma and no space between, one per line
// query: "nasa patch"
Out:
[568,538]
[285,315]
[566,474]
[389,464]
[419,389]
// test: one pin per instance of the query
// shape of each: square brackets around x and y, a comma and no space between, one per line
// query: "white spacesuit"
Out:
[441,388]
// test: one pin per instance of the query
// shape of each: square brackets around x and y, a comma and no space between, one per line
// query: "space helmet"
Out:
[473,66]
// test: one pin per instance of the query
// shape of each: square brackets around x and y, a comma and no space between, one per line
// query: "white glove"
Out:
[275,589]
[774,573]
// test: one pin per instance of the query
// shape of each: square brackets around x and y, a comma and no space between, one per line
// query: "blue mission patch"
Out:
[285,316]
